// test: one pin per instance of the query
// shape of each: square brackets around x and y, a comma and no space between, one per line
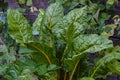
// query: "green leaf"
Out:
[85,44]
[78,20]
[91,43]
[72,24]
[38,24]
[108,30]
[102,17]
[59,1]
[111,2]
[29,3]
[96,15]
[94,9]
[3,49]
[19,28]
[22,1]
[92,21]
[112,54]
[26,50]
[114,67]
[46,21]
[9,57]
[45,73]
[72,64]
[83,2]
[50,76]
[25,71]
[54,13]
[43,54]
[3,69]
[42,69]
[87,78]
[52,67]
[27,77]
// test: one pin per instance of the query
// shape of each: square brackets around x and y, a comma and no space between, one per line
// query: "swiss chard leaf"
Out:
[54,13]
[85,44]
[43,54]
[19,28]
[91,43]
[112,55]
[114,67]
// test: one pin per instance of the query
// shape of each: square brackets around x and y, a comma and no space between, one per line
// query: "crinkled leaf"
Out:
[54,13]
[47,20]
[19,28]
[72,24]
[91,43]
[38,24]
[78,20]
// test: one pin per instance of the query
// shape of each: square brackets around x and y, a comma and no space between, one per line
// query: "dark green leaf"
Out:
[26,50]
[43,53]
[52,67]
[41,70]
[112,54]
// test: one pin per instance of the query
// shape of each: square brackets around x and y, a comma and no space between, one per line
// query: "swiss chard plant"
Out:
[56,47]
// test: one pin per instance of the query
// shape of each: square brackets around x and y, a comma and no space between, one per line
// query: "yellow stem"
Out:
[95,71]
[71,76]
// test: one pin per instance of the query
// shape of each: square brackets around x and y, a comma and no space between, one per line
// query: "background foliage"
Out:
[58,44]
